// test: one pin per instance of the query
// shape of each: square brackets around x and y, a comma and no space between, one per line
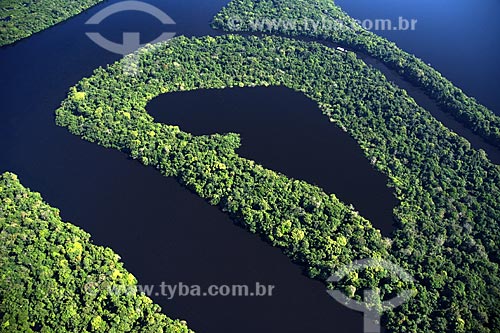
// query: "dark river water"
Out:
[165,233]
[285,131]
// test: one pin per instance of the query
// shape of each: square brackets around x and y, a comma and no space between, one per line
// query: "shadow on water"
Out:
[285,131]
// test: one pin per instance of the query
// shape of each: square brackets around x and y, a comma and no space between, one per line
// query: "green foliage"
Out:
[22,18]
[53,279]
[322,20]
[447,219]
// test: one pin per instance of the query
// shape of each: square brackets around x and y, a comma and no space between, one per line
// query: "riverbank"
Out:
[70,284]
[21,19]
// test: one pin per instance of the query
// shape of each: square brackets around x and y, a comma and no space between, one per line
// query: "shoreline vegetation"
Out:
[54,279]
[21,19]
[447,231]
[284,16]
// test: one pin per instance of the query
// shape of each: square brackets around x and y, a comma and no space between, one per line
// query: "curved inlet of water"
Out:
[284,130]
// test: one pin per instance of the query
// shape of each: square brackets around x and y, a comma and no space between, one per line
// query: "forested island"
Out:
[20,19]
[447,231]
[324,21]
[54,279]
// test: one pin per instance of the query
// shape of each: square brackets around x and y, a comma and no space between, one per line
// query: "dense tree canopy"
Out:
[447,221]
[22,18]
[53,279]
[323,20]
